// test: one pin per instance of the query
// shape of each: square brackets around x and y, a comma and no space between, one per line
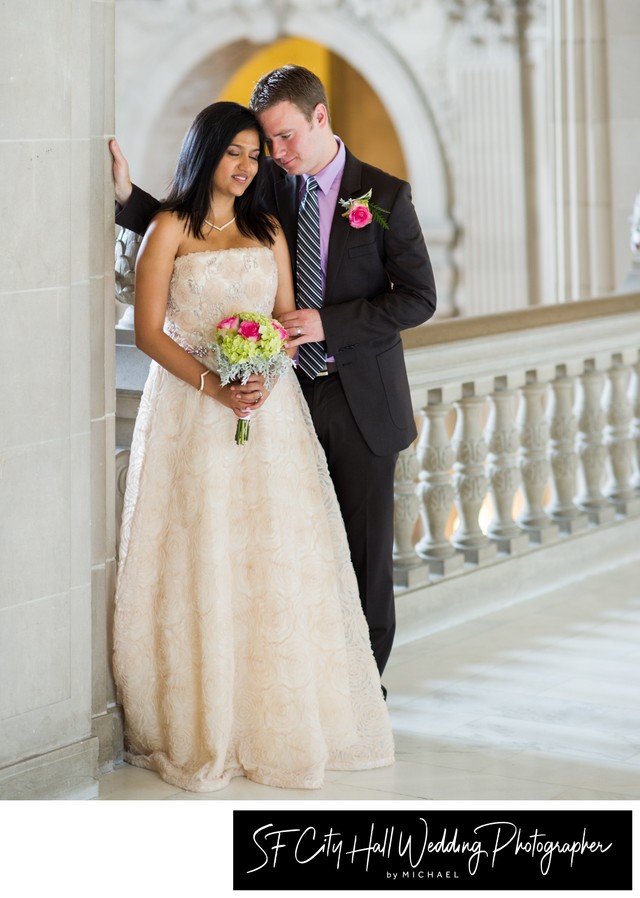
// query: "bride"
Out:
[240,646]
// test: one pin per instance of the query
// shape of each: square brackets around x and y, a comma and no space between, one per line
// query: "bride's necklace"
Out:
[222,227]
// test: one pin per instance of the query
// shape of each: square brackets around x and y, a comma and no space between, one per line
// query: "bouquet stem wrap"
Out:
[242,430]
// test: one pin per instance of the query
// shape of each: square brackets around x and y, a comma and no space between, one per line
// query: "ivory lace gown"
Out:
[240,644]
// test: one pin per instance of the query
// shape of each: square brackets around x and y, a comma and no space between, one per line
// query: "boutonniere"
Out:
[361,211]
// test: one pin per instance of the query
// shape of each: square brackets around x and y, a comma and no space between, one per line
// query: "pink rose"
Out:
[283,333]
[250,330]
[229,324]
[360,215]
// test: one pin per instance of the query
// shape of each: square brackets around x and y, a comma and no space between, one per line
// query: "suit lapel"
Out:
[286,198]
[350,186]
[286,190]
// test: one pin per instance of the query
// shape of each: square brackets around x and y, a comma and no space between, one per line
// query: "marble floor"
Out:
[537,702]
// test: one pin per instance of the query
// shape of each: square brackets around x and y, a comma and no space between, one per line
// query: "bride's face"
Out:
[238,166]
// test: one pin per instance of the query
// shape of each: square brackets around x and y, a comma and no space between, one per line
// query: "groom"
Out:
[375,279]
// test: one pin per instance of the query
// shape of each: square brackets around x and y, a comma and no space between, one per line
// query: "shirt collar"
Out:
[327,175]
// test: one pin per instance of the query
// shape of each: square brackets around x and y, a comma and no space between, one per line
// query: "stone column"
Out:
[581,151]
[490,187]
[56,446]
[622,29]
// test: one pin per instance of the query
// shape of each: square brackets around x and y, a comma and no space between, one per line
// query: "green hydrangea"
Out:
[239,356]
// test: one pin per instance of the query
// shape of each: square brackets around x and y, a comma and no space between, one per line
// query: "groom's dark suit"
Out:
[378,282]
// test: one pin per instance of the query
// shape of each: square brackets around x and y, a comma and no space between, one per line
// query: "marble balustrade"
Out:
[529,431]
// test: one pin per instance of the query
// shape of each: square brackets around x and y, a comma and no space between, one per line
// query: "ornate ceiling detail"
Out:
[367,10]
[380,10]
[505,16]
[501,13]
[494,10]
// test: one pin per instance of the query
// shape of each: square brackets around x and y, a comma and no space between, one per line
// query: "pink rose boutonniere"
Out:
[361,211]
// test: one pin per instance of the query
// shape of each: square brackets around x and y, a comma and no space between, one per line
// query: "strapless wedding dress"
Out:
[240,647]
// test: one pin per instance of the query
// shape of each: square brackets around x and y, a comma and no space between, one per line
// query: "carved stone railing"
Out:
[529,432]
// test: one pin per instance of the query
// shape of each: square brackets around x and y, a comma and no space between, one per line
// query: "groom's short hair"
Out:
[289,83]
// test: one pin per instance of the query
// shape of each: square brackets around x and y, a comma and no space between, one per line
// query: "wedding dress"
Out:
[240,647]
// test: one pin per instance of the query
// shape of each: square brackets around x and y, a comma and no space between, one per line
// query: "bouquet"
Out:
[246,344]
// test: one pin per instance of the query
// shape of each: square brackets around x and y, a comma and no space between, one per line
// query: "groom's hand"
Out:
[303,326]
[120,173]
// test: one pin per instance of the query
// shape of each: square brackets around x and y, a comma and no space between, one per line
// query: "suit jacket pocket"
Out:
[363,249]
[396,385]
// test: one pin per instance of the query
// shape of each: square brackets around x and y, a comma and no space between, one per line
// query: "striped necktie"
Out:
[311,356]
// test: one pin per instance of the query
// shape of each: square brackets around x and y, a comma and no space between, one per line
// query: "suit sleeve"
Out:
[408,296]
[138,212]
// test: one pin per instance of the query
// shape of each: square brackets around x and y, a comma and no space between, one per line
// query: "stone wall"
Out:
[57,405]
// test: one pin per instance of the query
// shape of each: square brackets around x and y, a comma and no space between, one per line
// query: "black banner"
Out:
[432,849]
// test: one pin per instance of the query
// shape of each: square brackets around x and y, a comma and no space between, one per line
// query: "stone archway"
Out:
[370,134]
[185,66]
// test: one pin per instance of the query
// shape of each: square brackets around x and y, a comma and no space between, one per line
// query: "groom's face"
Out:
[297,144]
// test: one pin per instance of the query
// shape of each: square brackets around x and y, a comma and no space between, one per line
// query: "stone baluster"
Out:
[409,569]
[591,449]
[617,438]
[434,491]
[469,480]
[635,424]
[563,456]
[504,476]
[123,457]
[532,459]
[126,250]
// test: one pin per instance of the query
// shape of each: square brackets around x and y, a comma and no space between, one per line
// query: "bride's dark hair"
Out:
[204,145]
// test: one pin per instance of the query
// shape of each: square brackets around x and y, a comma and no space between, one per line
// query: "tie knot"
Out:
[309,201]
